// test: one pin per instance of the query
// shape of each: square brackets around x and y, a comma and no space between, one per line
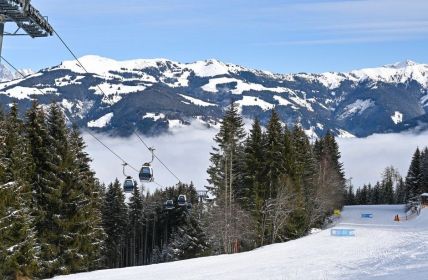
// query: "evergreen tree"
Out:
[273,160]
[332,149]
[272,166]
[390,179]
[83,210]
[50,201]
[376,195]
[48,143]
[350,197]
[46,185]
[67,189]
[331,176]
[400,192]
[288,151]
[370,194]
[424,170]
[362,195]
[305,165]
[135,231]
[303,173]
[18,253]
[115,224]
[222,171]
[329,191]
[387,192]
[188,239]
[358,196]
[225,172]
[253,172]
[414,177]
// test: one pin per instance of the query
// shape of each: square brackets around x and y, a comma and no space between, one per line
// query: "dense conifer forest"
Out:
[266,186]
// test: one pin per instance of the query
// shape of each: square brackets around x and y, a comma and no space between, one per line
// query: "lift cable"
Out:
[135,132]
[159,185]
[90,133]
[75,57]
[170,171]
[96,138]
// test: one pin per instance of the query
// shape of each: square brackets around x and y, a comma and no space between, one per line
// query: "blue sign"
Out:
[342,232]
[367,215]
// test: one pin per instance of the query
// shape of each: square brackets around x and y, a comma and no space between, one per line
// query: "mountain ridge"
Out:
[7,75]
[153,95]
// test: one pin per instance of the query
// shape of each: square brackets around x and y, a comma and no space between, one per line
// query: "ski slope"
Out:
[380,249]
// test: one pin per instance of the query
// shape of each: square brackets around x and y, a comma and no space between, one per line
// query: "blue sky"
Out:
[280,36]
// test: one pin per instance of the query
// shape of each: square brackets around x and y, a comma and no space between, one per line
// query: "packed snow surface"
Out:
[197,101]
[20,92]
[282,101]
[154,116]
[254,101]
[311,133]
[101,122]
[397,117]
[175,124]
[359,106]
[302,102]
[112,92]
[237,86]
[345,134]
[380,249]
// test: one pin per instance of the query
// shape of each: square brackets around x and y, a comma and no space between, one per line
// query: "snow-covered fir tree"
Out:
[279,165]
[18,250]
[115,223]
[136,228]
[52,193]
[414,177]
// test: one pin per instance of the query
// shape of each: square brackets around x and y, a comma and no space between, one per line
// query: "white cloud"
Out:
[365,158]
[186,153]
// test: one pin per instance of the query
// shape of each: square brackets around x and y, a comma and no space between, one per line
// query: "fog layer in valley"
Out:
[364,159]
[186,152]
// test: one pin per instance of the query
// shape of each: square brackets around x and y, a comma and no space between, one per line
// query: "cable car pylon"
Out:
[27,19]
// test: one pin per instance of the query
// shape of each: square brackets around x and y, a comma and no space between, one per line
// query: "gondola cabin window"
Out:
[146,174]
[128,185]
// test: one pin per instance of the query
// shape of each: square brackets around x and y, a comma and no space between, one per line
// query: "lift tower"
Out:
[28,19]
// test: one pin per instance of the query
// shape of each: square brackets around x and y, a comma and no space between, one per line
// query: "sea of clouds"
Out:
[186,151]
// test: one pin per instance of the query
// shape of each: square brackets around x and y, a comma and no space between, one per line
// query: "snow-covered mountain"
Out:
[154,95]
[7,75]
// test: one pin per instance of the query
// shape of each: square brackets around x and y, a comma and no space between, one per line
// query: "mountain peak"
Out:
[103,65]
[402,64]
[113,89]
[7,75]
